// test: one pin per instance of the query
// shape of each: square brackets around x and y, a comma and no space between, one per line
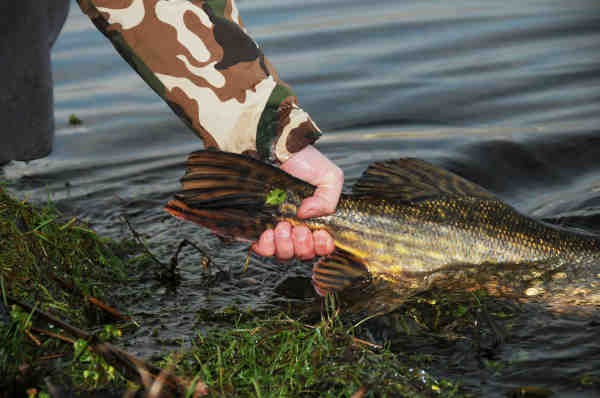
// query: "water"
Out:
[506,94]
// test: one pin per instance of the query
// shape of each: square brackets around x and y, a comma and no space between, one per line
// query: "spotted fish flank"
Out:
[198,57]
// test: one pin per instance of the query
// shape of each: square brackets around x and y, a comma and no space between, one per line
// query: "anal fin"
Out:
[339,271]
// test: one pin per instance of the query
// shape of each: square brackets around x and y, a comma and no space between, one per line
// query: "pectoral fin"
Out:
[339,271]
[414,180]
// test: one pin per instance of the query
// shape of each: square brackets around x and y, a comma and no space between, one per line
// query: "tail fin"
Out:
[227,193]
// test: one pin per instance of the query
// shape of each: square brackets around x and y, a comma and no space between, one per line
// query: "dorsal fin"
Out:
[414,180]
[338,271]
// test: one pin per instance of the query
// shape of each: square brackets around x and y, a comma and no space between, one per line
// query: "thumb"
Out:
[312,166]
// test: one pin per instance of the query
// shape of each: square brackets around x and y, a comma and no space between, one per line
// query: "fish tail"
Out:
[228,194]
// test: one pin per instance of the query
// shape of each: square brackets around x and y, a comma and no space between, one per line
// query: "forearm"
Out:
[199,58]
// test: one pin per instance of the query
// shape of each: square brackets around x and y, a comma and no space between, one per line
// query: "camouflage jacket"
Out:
[197,55]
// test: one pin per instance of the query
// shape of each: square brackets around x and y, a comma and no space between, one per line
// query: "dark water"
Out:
[504,93]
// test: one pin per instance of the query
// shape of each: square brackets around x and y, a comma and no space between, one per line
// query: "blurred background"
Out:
[505,93]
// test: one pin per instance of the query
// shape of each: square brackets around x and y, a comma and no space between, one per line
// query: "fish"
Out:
[406,227]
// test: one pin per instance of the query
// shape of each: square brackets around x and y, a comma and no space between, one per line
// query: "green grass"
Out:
[282,357]
[38,245]
[53,262]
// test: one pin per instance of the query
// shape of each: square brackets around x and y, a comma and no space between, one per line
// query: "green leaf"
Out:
[460,310]
[275,197]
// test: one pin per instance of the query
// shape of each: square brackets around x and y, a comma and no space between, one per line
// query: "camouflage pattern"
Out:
[198,57]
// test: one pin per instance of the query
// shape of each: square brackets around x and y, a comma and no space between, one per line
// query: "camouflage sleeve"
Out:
[199,58]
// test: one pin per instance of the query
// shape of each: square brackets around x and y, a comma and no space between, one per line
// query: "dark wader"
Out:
[28,28]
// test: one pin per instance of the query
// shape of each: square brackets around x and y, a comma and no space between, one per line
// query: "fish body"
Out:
[395,238]
[406,227]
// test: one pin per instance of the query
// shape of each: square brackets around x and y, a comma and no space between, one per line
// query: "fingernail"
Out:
[320,245]
[283,233]
[266,236]
[301,234]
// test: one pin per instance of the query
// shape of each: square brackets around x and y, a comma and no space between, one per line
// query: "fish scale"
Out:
[475,231]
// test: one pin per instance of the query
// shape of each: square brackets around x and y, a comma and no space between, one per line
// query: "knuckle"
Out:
[334,175]
[338,173]
[327,207]
[285,246]
[301,233]
[282,232]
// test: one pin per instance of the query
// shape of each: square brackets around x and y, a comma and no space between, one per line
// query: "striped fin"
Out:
[338,271]
[227,193]
[227,223]
[414,180]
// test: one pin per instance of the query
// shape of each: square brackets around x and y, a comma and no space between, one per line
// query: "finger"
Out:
[284,247]
[326,196]
[304,163]
[322,203]
[266,244]
[303,242]
[324,244]
[312,166]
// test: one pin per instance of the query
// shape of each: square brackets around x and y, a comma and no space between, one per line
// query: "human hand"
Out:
[285,241]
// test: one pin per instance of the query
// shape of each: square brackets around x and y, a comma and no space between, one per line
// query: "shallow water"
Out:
[506,94]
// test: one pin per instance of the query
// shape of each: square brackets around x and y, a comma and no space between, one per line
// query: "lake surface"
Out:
[506,94]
